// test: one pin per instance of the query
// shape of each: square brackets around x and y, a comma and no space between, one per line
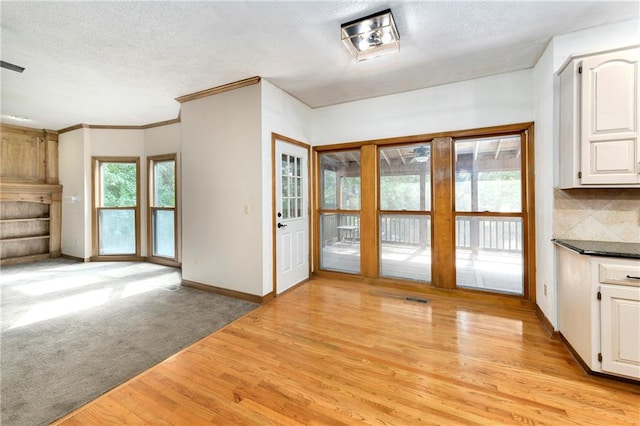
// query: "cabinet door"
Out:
[609,113]
[619,325]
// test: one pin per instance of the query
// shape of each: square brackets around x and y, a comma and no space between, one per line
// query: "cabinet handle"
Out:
[632,277]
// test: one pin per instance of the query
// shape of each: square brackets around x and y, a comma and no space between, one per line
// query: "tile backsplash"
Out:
[597,214]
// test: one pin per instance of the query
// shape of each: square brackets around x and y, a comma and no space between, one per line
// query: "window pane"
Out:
[405,177]
[117,231]
[405,246]
[340,180]
[163,233]
[489,253]
[118,184]
[488,175]
[165,183]
[340,236]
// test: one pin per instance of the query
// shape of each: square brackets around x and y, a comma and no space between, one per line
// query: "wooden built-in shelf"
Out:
[29,219]
[36,237]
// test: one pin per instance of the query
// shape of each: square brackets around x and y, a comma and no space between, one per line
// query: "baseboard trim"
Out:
[546,324]
[161,261]
[226,292]
[77,259]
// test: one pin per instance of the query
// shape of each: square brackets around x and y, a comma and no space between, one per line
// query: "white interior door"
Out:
[292,215]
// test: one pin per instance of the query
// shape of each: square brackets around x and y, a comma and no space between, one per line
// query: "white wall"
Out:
[495,100]
[71,154]
[545,85]
[221,173]
[287,116]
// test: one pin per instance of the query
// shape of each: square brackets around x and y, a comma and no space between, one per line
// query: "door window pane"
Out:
[405,177]
[405,246]
[292,201]
[340,180]
[488,175]
[164,233]
[119,184]
[340,247]
[489,253]
[117,230]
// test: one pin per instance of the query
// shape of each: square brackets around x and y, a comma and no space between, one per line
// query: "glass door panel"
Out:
[488,213]
[340,211]
[405,186]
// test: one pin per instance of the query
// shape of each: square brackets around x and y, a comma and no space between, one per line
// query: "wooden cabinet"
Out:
[599,311]
[30,197]
[599,116]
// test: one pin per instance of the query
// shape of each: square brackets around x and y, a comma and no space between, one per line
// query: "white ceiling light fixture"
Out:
[372,36]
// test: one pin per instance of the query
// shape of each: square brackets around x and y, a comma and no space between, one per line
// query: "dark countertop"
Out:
[602,248]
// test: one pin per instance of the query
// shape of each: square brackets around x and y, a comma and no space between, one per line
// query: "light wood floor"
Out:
[343,353]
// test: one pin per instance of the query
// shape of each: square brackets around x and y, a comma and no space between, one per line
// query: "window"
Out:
[116,206]
[162,221]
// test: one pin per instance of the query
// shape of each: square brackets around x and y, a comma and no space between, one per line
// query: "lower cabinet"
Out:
[599,311]
[620,318]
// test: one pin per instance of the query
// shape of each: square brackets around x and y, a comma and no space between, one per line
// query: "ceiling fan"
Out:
[420,154]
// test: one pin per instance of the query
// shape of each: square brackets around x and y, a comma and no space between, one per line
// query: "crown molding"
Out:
[219,89]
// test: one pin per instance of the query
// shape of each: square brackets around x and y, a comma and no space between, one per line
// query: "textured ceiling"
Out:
[124,63]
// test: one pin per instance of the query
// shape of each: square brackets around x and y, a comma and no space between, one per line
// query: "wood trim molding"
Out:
[162,261]
[30,131]
[454,134]
[116,258]
[77,259]
[118,127]
[230,293]
[219,89]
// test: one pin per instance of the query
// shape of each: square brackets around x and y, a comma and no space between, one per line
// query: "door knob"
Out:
[281,225]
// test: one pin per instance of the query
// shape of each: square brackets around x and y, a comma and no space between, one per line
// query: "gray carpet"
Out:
[72,331]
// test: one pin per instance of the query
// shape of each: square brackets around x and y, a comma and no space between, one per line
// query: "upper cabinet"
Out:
[599,118]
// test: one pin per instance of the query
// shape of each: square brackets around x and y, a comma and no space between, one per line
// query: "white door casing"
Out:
[291,224]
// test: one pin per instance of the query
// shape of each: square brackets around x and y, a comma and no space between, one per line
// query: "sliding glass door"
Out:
[405,212]
[452,211]
[489,214]
[340,211]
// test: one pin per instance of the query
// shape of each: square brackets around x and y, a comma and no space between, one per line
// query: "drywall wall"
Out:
[286,116]
[545,88]
[71,154]
[221,174]
[489,101]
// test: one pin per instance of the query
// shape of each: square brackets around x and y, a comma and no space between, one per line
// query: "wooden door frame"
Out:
[275,137]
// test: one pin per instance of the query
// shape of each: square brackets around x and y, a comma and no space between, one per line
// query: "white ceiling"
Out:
[124,63]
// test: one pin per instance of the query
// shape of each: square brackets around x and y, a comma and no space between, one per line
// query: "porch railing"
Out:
[483,233]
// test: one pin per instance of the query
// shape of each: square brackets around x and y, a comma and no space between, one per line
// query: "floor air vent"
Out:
[172,287]
[416,299]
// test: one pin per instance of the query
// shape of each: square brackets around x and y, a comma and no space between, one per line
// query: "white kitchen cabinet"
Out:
[620,317]
[599,311]
[599,117]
